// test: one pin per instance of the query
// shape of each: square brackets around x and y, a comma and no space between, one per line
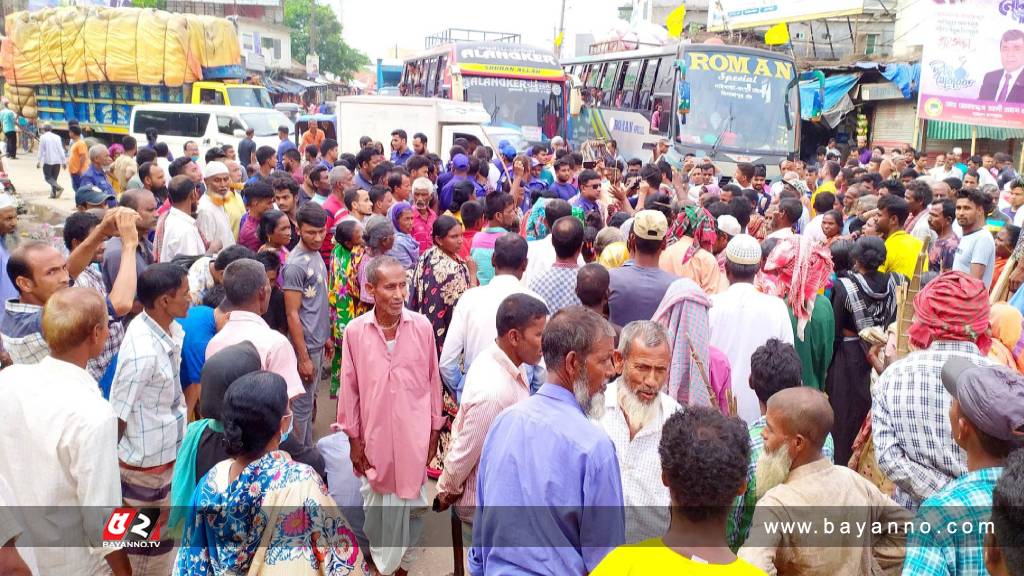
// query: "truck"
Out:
[106,108]
[441,120]
[92,65]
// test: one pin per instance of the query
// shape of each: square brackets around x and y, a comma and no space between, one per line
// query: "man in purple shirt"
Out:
[460,171]
[590,192]
[533,517]
[563,178]
[284,145]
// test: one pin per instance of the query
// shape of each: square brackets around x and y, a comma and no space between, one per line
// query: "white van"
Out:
[206,125]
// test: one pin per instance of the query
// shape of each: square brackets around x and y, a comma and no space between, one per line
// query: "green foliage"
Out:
[336,56]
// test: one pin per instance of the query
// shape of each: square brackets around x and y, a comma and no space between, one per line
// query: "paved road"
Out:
[45,216]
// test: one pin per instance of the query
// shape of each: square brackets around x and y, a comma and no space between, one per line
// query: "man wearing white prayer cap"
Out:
[743,319]
[211,216]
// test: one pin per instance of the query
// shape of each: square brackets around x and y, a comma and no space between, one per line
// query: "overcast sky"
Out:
[376,27]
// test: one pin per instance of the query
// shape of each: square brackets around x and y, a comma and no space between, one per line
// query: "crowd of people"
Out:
[608,366]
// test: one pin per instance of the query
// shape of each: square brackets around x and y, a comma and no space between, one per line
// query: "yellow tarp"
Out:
[73,45]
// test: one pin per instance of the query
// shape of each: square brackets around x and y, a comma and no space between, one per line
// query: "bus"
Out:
[523,88]
[730,103]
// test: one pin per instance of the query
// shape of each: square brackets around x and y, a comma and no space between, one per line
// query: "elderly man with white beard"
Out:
[636,408]
[854,528]
[549,496]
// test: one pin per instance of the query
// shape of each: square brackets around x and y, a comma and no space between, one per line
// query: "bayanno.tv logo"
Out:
[131,528]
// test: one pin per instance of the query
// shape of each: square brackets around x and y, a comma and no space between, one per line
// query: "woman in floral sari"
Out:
[440,278]
[260,513]
[343,295]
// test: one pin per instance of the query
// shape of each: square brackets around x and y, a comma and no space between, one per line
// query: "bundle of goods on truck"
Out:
[79,45]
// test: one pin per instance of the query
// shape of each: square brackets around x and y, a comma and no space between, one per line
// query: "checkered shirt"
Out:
[738,527]
[92,278]
[910,422]
[146,393]
[557,286]
[964,501]
[22,332]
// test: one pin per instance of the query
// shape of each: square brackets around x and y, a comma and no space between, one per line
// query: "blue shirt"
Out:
[96,178]
[445,197]
[963,501]
[564,191]
[7,289]
[549,495]
[7,119]
[200,327]
[400,159]
[283,147]
[361,182]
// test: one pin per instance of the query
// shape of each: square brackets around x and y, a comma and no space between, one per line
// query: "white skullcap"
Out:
[215,168]
[728,224]
[743,249]
[7,201]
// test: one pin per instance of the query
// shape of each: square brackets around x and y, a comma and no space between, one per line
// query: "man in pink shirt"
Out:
[247,292]
[390,409]
[496,380]
[423,217]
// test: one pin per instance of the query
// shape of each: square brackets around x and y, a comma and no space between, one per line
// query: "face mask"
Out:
[288,432]
[195,158]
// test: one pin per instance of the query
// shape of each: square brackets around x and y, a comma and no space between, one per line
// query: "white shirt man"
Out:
[213,221]
[742,319]
[472,328]
[59,450]
[181,236]
[646,496]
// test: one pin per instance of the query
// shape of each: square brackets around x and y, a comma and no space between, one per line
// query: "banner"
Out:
[972,63]
[739,14]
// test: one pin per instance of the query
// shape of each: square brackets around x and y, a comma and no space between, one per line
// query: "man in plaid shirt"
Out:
[909,423]
[987,417]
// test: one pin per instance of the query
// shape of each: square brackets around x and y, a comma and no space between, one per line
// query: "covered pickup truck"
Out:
[93,64]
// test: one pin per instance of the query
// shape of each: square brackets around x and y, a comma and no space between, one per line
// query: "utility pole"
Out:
[561,32]
[312,28]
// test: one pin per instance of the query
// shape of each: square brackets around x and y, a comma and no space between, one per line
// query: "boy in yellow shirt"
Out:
[704,458]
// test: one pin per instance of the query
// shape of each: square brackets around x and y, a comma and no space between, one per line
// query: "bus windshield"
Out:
[532,106]
[738,103]
[253,96]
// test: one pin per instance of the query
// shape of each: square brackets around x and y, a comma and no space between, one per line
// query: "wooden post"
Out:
[974,138]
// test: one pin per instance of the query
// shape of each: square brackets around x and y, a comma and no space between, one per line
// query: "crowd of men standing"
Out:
[584,353]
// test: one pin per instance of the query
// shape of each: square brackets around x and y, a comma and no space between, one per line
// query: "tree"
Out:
[336,56]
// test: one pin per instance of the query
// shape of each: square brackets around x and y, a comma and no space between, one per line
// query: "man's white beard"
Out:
[11,241]
[638,414]
[772,469]
[592,406]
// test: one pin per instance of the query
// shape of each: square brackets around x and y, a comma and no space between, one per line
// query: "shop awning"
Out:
[302,82]
[952,131]
[283,86]
[837,101]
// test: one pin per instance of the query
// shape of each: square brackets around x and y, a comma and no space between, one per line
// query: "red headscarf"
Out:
[953,306]
[799,268]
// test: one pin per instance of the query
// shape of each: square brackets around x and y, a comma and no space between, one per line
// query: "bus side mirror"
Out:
[575,101]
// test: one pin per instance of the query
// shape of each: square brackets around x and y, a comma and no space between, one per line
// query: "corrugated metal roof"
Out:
[952,131]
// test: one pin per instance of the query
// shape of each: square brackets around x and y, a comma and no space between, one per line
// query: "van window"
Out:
[228,125]
[211,96]
[166,123]
[266,124]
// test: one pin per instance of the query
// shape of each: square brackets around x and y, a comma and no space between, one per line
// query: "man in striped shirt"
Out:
[496,380]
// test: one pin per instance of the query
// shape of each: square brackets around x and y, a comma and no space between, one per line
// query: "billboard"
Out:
[738,14]
[972,63]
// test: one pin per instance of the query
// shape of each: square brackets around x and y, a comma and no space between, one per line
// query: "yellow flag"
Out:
[559,39]
[776,35]
[674,21]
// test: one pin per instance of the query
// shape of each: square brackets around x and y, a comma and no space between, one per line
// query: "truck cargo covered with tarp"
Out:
[79,45]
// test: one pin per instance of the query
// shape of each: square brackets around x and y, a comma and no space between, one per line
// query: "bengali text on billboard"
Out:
[972,63]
